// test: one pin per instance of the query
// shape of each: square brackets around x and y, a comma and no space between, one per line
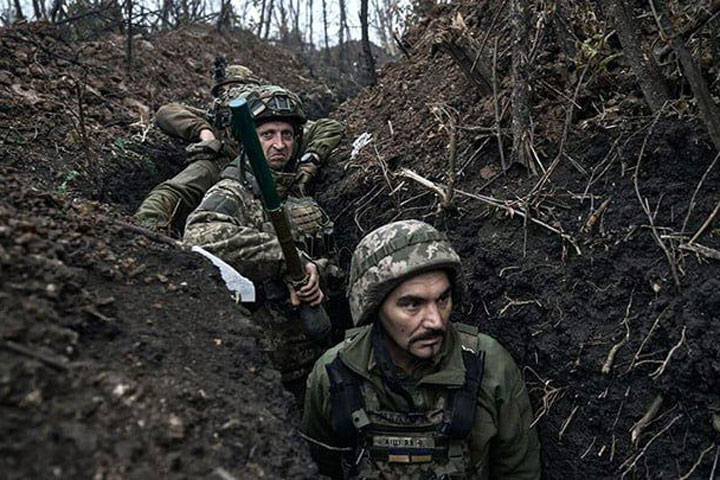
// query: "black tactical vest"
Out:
[419,445]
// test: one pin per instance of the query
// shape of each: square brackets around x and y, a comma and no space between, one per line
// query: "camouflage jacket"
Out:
[180,121]
[231,223]
[502,445]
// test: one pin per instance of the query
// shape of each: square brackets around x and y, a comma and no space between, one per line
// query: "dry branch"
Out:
[701,250]
[442,191]
[706,224]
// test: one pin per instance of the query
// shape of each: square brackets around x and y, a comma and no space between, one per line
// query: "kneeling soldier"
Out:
[409,395]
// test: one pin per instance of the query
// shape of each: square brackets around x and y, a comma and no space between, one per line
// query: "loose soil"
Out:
[140,365]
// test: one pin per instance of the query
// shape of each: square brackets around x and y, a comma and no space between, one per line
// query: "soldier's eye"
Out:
[287,135]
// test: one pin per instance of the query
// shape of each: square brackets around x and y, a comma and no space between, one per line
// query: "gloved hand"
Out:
[204,150]
[306,170]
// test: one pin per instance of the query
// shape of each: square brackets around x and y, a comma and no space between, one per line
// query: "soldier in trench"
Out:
[167,206]
[408,394]
[230,222]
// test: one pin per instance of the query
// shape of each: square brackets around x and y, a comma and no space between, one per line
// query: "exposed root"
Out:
[567,421]
[697,463]
[516,303]
[647,337]
[636,458]
[656,374]
[701,250]
[652,411]
[607,366]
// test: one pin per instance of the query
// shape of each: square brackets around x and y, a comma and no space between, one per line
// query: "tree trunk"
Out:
[262,19]
[341,37]
[325,30]
[369,61]
[310,24]
[19,16]
[267,22]
[128,43]
[709,111]
[651,80]
[521,125]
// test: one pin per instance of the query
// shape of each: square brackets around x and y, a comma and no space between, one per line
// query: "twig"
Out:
[702,250]
[656,374]
[706,224]
[152,235]
[646,208]
[697,463]
[607,366]
[652,411]
[697,189]
[715,464]
[567,421]
[647,445]
[488,200]
[224,474]
[54,362]
[595,216]
[642,345]
[496,105]
[517,303]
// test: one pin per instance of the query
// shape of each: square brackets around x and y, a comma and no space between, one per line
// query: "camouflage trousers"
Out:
[282,338]
[167,206]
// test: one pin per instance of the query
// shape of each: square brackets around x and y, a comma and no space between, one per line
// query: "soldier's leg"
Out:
[167,206]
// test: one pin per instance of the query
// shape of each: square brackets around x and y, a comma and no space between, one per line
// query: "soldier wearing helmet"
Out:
[168,204]
[409,394]
[231,223]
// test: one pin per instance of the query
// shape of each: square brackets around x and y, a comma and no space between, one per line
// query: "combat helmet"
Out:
[387,256]
[224,74]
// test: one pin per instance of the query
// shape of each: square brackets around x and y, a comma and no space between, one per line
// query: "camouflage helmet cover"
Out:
[273,103]
[389,255]
[235,74]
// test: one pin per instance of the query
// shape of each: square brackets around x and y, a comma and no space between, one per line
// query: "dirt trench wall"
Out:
[112,364]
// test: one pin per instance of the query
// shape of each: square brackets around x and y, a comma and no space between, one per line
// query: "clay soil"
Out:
[124,357]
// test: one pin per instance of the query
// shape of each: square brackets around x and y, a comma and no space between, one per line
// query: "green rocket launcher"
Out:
[314,320]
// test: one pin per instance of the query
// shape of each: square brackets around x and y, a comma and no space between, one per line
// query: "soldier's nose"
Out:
[433,318]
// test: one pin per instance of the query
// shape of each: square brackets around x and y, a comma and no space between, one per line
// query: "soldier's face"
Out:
[415,316]
[278,143]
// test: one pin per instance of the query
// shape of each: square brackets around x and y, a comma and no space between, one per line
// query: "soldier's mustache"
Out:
[429,335]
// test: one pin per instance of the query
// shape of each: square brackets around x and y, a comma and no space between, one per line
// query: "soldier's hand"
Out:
[309,293]
[306,170]
[203,150]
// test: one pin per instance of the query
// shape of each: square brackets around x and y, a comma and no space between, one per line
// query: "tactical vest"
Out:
[311,226]
[418,445]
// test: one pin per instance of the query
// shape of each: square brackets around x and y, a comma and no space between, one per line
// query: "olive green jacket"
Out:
[502,443]
[167,206]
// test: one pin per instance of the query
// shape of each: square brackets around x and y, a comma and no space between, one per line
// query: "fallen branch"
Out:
[55,362]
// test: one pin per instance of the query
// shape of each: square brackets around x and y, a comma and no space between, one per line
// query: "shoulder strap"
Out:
[347,407]
[465,399]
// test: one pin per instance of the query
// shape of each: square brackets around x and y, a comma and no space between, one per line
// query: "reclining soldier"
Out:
[167,206]
[231,223]
[409,395]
